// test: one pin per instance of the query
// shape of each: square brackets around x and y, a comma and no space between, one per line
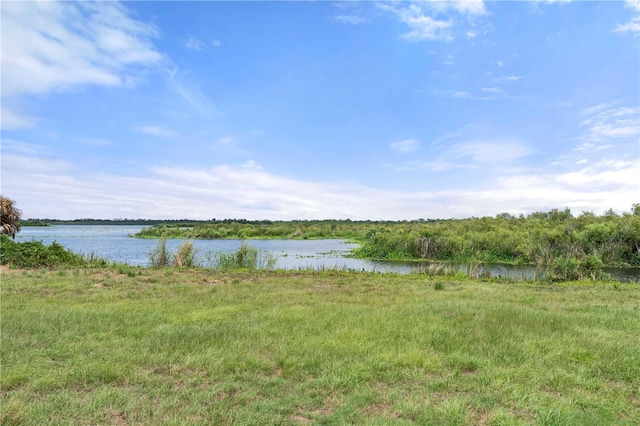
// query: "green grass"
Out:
[170,346]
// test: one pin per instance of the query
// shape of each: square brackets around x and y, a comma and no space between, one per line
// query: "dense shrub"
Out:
[34,254]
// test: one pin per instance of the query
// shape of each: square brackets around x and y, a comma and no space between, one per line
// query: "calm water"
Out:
[113,242]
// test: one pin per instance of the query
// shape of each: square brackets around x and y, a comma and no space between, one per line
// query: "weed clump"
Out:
[160,256]
[185,256]
[246,257]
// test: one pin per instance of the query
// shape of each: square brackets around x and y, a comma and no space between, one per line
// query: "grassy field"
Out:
[168,346]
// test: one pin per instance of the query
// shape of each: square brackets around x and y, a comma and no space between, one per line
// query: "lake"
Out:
[114,242]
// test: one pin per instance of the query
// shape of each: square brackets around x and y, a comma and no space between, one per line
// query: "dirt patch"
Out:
[104,274]
[207,281]
[301,420]
[484,418]
[4,269]
[119,418]
[383,410]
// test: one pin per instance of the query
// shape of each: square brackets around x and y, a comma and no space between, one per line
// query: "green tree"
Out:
[9,217]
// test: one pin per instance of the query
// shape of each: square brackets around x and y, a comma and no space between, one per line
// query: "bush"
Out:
[565,268]
[34,254]
[591,267]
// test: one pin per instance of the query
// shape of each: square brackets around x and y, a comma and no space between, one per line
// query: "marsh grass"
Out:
[196,346]
[246,257]
[160,256]
[185,255]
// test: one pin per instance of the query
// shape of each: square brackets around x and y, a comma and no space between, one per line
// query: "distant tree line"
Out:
[544,239]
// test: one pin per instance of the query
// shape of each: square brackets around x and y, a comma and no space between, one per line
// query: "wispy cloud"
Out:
[59,46]
[216,43]
[15,146]
[422,27]
[157,131]
[97,142]
[463,94]
[53,188]
[466,7]
[488,151]
[605,124]
[194,43]
[633,26]
[44,49]
[226,140]
[190,92]
[251,165]
[492,90]
[405,146]
[349,19]
[11,120]
[457,151]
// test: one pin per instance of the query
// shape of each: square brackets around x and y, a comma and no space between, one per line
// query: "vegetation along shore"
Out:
[585,242]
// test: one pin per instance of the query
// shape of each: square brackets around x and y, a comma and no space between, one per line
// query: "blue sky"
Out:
[313,110]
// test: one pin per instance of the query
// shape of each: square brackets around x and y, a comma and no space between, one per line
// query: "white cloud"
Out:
[349,19]
[434,19]
[492,89]
[190,92]
[514,77]
[97,142]
[464,7]
[613,123]
[194,43]
[226,140]
[634,4]
[14,146]
[423,27]
[158,131]
[500,64]
[471,7]
[462,94]
[10,120]
[51,46]
[488,152]
[251,165]
[216,43]
[405,146]
[633,26]
[604,174]
[54,188]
